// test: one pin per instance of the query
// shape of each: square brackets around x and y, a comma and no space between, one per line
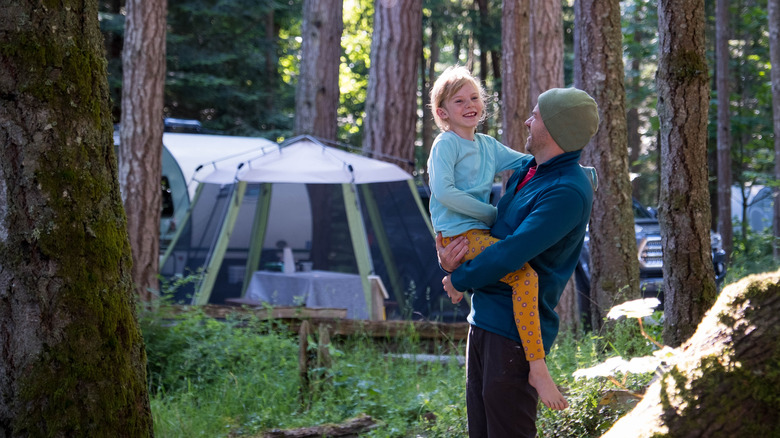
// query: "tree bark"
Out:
[684,216]
[391,98]
[140,134]
[428,70]
[632,113]
[546,47]
[546,71]
[317,94]
[72,358]
[316,104]
[726,378]
[774,55]
[515,71]
[724,124]
[482,42]
[598,69]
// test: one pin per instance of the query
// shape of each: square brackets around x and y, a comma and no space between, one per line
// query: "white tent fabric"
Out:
[204,154]
[380,203]
[306,161]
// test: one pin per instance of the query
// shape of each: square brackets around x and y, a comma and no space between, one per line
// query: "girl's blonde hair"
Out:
[447,84]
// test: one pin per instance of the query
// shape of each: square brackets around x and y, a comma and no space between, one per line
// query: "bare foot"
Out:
[540,379]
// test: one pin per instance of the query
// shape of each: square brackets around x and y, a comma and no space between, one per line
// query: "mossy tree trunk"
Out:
[726,382]
[598,69]
[684,214]
[72,359]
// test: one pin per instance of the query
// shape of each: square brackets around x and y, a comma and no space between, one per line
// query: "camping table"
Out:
[323,289]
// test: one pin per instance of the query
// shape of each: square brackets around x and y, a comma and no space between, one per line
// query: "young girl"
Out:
[462,167]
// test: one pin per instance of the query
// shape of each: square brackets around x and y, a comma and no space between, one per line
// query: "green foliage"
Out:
[239,376]
[222,65]
[353,70]
[640,47]
[752,254]
[225,63]
[193,351]
[586,417]
[625,339]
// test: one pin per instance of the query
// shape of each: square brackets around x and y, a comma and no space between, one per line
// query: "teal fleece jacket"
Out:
[542,224]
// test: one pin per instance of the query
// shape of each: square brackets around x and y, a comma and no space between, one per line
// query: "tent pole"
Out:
[357,231]
[182,226]
[384,243]
[423,212]
[259,227]
[215,261]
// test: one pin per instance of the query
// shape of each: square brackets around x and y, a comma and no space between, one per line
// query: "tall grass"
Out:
[239,377]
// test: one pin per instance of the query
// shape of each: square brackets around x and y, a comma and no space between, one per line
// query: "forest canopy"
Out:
[233,65]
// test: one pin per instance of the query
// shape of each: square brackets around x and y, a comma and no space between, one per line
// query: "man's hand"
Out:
[454,295]
[450,257]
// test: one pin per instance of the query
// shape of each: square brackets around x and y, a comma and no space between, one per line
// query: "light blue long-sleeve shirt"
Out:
[462,173]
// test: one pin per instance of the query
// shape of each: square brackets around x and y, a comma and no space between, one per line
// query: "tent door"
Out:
[259,227]
[218,254]
[357,231]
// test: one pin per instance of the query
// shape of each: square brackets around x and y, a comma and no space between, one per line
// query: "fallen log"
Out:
[726,379]
[353,427]
[339,326]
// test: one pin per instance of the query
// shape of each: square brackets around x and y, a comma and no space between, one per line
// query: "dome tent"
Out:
[342,211]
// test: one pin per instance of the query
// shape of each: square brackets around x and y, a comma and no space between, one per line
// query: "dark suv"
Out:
[650,254]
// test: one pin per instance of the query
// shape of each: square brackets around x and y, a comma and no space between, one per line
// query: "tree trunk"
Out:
[598,69]
[72,359]
[140,134]
[546,47]
[391,98]
[428,70]
[316,104]
[515,71]
[634,146]
[724,124]
[317,94]
[482,42]
[546,71]
[774,53]
[568,309]
[725,381]
[632,114]
[684,216]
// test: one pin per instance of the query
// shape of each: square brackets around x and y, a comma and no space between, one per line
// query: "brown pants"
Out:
[499,400]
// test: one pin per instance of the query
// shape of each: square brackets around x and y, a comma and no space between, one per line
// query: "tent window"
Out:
[167,198]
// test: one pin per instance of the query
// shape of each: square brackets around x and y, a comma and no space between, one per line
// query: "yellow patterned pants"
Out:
[525,293]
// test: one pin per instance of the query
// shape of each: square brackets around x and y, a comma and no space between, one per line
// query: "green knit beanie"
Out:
[570,115]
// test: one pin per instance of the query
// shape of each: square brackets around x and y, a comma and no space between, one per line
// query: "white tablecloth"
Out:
[314,289]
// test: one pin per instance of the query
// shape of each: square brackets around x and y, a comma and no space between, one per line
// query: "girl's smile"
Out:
[463,111]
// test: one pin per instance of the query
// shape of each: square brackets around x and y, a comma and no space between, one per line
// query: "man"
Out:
[541,220]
